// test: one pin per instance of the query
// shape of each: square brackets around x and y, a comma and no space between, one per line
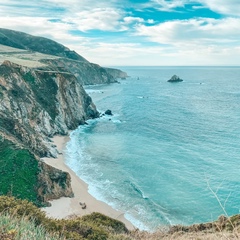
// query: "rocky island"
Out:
[175,78]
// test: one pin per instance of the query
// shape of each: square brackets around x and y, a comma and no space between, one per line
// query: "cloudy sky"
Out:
[134,32]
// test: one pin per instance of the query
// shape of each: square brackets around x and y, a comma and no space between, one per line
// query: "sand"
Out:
[68,207]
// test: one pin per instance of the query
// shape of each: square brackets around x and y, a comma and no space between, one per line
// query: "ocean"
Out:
[170,154]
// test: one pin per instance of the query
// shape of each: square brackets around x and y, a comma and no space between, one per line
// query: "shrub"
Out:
[106,222]
[92,227]
[12,228]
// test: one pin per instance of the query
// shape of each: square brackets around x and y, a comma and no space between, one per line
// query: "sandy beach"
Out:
[67,207]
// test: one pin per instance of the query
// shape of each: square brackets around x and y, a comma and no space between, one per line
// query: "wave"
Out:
[137,189]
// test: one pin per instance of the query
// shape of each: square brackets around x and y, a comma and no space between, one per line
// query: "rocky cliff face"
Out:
[116,73]
[52,183]
[41,95]
[86,73]
[34,106]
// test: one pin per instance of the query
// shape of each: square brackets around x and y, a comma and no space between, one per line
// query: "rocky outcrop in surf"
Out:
[175,78]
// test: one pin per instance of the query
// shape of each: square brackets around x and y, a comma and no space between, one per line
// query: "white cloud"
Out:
[194,31]
[228,7]
[124,54]
[35,25]
[129,20]
[150,21]
[195,41]
[39,26]
[105,19]
[83,4]
[168,5]
[135,54]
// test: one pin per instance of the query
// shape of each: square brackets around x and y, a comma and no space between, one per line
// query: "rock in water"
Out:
[108,112]
[175,78]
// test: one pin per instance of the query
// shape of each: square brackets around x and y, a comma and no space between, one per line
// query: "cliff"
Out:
[41,95]
[86,73]
[36,105]
[116,73]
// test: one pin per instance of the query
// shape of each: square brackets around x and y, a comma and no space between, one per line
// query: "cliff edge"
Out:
[34,106]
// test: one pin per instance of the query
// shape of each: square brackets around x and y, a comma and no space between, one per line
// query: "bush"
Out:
[92,227]
[12,228]
[106,222]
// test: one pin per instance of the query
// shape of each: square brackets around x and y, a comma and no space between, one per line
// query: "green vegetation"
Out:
[45,91]
[21,220]
[106,222]
[28,77]
[1,92]
[13,228]
[93,227]
[18,172]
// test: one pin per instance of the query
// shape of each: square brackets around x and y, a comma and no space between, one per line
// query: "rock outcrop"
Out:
[116,73]
[108,112]
[175,78]
[86,73]
[34,106]
[53,183]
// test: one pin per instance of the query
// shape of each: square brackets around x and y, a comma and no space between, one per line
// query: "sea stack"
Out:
[175,78]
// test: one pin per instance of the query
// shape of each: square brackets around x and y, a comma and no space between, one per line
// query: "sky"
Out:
[134,32]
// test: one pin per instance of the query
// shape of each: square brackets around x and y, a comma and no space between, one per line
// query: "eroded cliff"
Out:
[41,95]
[86,73]
[34,106]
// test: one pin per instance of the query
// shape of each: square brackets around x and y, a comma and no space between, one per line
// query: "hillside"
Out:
[25,41]
[38,52]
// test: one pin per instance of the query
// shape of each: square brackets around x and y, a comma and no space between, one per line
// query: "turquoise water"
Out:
[171,152]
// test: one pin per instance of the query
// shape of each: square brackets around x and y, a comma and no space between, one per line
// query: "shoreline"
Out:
[66,207]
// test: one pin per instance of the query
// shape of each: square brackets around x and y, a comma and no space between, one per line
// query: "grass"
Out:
[13,228]
[93,227]
[20,219]
[18,172]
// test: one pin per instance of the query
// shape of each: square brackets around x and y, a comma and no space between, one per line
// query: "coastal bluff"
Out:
[35,106]
[39,52]
[41,95]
